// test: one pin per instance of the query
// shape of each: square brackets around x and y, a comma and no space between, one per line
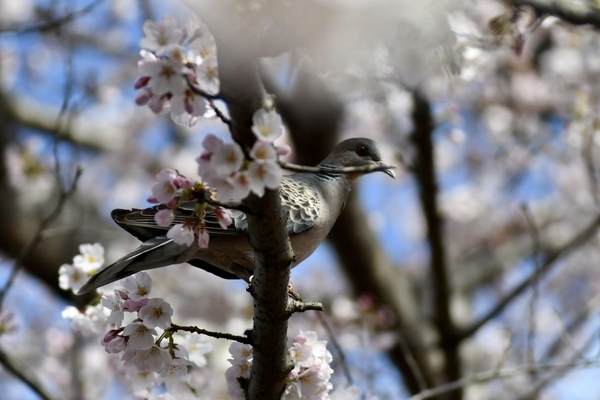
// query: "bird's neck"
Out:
[335,186]
[333,176]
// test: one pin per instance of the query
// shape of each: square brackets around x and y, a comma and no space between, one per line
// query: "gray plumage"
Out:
[313,202]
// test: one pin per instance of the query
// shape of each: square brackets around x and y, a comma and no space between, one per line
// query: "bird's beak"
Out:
[389,170]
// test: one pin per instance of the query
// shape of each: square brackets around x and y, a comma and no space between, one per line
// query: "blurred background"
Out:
[480,256]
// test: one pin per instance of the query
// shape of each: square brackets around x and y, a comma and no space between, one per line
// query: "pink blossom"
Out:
[166,76]
[267,125]
[115,305]
[207,76]
[263,175]
[161,34]
[113,342]
[211,143]
[203,237]
[263,151]
[130,305]
[224,217]
[143,97]
[188,102]
[140,336]
[156,313]
[181,234]
[164,190]
[227,159]
[138,286]
[164,217]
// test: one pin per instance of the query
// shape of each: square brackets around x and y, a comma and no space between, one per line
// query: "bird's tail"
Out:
[154,253]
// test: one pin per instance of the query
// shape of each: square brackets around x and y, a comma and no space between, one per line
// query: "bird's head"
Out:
[358,152]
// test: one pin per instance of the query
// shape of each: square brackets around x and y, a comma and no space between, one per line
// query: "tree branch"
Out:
[577,241]
[504,373]
[23,375]
[425,173]
[217,335]
[53,24]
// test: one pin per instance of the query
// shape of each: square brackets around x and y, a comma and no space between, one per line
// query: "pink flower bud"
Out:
[143,97]
[164,217]
[283,150]
[141,82]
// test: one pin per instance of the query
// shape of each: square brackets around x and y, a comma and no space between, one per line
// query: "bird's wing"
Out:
[302,202]
[298,197]
[141,223]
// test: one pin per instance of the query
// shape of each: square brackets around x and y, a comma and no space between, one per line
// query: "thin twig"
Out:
[21,372]
[219,113]
[345,170]
[31,245]
[535,236]
[217,335]
[45,26]
[554,374]
[577,241]
[504,373]
[411,361]
[295,306]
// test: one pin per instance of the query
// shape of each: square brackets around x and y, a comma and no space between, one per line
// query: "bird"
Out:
[312,200]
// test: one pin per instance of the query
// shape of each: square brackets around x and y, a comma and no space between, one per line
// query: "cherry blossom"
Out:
[207,76]
[113,342]
[263,175]
[181,234]
[267,125]
[227,159]
[166,76]
[188,102]
[203,237]
[156,313]
[91,258]
[140,336]
[115,304]
[164,190]
[138,286]
[173,60]
[71,277]
[197,348]
[160,34]
[263,152]
[224,217]
[164,217]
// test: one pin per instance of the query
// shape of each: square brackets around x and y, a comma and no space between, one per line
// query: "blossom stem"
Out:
[217,335]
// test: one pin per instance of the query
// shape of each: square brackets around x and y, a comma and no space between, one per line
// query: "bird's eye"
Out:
[362,151]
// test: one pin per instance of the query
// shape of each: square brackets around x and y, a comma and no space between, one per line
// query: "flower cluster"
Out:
[178,65]
[139,341]
[309,379]
[228,170]
[73,276]
[173,190]
[224,167]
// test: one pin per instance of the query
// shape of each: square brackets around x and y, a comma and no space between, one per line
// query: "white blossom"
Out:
[115,305]
[91,258]
[140,336]
[138,286]
[156,313]
[181,234]
[267,125]
[161,34]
